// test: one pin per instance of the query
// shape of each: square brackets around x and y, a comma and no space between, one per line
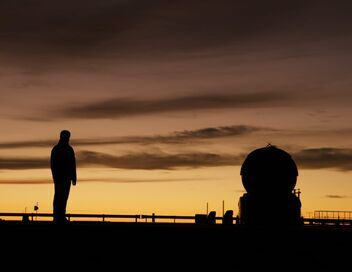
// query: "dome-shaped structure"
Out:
[269,170]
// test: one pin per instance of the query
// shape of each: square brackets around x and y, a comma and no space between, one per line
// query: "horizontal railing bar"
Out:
[326,220]
[29,214]
[73,215]
[332,211]
[136,216]
[171,217]
[143,216]
[104,215]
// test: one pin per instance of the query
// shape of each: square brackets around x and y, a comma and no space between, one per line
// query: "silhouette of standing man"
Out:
[63,169]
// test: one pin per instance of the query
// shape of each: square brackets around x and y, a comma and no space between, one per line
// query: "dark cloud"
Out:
[217,132]
[336,196]
[27,144]
[37,31]
[318,158]
[148,161]
[23,163]
[117,180]
[119,108]
[123,27]
[25,182]
[145,161]
[179,137]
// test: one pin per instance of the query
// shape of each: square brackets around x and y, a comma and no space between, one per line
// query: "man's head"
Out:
[65,136]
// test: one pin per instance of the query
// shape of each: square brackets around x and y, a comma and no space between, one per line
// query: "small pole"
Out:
[207,207]
[223,208]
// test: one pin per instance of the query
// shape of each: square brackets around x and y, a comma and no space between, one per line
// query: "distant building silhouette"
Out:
[269,176]
[63,168]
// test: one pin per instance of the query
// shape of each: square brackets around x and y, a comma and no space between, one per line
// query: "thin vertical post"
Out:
[223,208]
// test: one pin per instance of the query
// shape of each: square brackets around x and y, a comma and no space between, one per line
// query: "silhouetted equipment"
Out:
[25,218]
[269,176]
[212,217]
[228,218]
[201,219]
[206,218]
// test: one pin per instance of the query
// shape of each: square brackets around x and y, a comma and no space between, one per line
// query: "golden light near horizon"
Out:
[164,105]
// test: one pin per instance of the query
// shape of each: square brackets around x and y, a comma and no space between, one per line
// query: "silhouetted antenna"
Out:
[207,207]
[223,208]
[270,145]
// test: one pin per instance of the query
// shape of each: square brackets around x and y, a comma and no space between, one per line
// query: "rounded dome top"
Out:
[269,170]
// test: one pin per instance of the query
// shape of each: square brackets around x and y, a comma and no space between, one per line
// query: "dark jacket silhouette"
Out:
[63,168]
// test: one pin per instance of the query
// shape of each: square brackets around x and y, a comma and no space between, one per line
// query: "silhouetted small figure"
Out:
[63,168]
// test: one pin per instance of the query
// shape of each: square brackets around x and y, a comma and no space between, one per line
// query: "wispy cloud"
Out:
[126,107]
[177,137]
[23,163]
[157,161]
[27,144]
[145,161]
[327,157]
[336,196]
[85,180]
[25,182]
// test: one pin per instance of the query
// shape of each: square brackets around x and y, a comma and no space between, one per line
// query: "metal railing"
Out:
[320,217]
[325,214]
[173,218]
[103,217]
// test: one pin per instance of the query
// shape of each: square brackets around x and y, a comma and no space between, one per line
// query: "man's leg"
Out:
[57,199]
[65,194]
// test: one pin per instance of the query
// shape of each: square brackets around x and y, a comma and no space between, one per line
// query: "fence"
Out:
[345,215]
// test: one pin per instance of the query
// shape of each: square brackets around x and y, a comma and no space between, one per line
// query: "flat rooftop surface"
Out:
[170,246]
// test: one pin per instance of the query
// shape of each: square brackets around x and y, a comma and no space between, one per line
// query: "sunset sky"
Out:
[164,99]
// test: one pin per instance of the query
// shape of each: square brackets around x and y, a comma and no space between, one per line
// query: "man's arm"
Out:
[53,163]
[74,173]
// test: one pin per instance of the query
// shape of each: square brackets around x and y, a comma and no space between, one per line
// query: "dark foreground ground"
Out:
[172,247]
